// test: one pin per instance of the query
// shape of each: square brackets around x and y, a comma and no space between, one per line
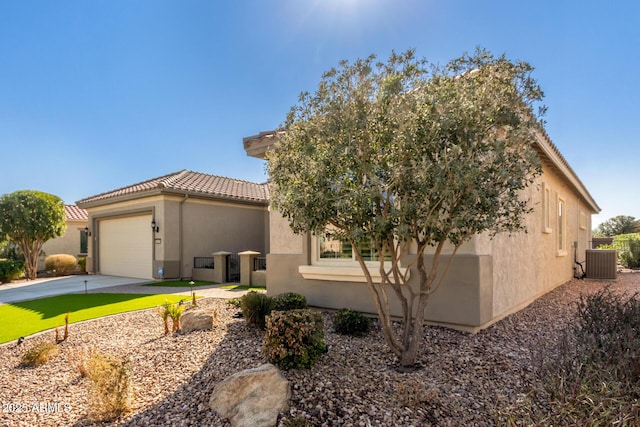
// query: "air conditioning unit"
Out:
[602,264]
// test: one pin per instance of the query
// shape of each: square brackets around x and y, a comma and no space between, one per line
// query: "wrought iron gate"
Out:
[233,268]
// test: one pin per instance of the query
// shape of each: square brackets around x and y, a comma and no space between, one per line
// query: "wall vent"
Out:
[602,264]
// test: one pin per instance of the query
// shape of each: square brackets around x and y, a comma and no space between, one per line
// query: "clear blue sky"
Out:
[96,95]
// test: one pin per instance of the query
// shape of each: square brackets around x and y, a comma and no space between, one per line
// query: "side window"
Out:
[546,209]
[83,242]
[562,226]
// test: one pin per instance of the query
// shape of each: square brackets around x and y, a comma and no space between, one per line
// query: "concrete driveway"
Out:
[40,288]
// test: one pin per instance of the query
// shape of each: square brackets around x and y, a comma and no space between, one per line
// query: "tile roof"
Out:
[74,213]
[189,182]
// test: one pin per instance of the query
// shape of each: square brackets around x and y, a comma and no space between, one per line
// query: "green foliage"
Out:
[171,311]
[39,354]
[289,301]
[61,264]
[234,302]
[621,224]
[10,270]
[82,263]
[351,322]
[255,307]
[628,247]
[592,375]
[30,218]
[294,338]
[111,388]
[388,154]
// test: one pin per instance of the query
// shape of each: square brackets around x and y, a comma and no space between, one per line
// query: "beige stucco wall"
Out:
[488,279]
[68,243]
[189,227]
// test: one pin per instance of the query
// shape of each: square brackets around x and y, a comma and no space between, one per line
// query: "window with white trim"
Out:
[562,226]
[546,209]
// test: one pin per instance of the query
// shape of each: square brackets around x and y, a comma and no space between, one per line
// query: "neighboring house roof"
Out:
[74,213]
[258,145]
[186,182]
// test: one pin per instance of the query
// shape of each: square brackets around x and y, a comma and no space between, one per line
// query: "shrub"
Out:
[294,339]
[174,311]
[111,390]
[82,264]
[234,302]
[289,301]
[351,322]
[628,247]
[61,264]
[10,270]
[39,354]
[591,375]
[255,307]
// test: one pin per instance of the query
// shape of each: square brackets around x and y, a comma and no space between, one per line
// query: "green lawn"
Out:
[181,283]
[28,317]
[244,287]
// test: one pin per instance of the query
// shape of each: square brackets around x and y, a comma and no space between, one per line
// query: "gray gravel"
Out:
[464,378]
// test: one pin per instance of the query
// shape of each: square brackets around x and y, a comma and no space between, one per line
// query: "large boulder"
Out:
[253,397]
[196,319]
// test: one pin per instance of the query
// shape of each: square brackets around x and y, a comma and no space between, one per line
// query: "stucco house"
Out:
[156,229]
[489,278]
[73,241]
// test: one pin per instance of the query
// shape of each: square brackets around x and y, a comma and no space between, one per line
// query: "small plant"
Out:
[193,299]
[82,264]
[175,311]
[294,339]
[10,270]
[39,354]
[111,388]
[351,322]
[61,264]
[234,302]
[289,301]
[66,326]
[164,312]
[255,307]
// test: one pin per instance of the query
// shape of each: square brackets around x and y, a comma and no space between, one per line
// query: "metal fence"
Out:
[259,263]
[203,262]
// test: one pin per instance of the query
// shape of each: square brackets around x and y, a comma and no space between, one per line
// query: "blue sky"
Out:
[95,95]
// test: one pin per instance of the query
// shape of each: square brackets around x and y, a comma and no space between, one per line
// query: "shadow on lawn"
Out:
[54,306]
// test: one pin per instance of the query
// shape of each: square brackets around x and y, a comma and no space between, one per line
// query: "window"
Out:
[562,227]
[546,209]
[83,242]
[341,249]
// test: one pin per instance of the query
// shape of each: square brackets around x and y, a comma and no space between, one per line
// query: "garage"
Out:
[126,247]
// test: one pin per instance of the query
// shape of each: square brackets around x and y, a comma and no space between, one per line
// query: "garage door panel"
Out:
[126,247]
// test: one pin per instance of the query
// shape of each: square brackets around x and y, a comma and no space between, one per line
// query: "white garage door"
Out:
[126,247]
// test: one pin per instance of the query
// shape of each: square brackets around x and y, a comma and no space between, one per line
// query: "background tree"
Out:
[621,224]
[29,218]
[404,156]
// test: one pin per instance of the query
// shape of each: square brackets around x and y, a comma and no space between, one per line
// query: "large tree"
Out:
[621,224]
[29,218]
[404,156]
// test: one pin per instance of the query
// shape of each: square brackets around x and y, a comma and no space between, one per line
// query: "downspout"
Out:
[181,232]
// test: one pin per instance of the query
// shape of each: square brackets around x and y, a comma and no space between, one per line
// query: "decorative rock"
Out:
[253,397]
[196,319]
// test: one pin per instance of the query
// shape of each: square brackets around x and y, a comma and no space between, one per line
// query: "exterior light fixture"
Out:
[154,225]
[87,232]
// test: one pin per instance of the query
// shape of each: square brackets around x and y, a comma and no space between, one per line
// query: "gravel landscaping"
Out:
[464,378]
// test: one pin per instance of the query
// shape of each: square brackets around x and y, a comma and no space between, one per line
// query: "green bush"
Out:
[628,247]
[82,263]
[60,264]
[289,301]
[255,307]
[591,376]
[294,338]
[351,322]
[10,270]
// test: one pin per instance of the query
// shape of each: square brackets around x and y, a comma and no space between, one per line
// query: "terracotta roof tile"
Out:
[74,213]
[186,181]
